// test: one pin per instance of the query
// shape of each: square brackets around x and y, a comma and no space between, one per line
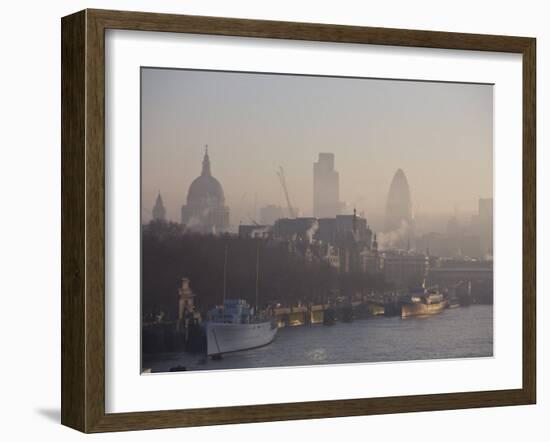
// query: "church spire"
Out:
[159,212]
[206,162]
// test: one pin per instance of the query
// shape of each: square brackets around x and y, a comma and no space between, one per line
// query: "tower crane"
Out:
[281,175]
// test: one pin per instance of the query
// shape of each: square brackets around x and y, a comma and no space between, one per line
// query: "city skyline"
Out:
[339,170]
[171,159]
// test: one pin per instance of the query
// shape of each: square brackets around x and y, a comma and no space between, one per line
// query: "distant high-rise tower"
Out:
[326,188]
[159,212]
[399,206]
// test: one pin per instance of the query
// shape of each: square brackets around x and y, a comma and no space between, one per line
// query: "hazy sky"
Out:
[440,134]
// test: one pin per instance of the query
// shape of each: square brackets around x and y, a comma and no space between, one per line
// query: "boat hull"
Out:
[227,338]
[421,309]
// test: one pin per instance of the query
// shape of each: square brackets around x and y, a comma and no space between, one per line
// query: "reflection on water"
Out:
[455,333]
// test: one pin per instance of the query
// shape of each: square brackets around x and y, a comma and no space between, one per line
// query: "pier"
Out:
[187,334]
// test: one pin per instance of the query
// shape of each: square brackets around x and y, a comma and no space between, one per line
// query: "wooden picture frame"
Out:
[83,220]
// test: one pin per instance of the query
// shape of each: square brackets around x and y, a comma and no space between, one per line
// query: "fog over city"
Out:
[440,134]
[313,205]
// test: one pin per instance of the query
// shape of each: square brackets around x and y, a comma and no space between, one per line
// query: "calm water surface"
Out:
[455,333]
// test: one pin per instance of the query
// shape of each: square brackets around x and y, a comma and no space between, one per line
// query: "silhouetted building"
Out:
[399,218]
[205,210]
[353,237]
[404,269]
[271,213]
[344,228]
[473,276]
[159,212]
[370,258]
[295,229]
[344,241]
[485,219]
[255,231]
[453,228]
[459,244]
[330,254]
[326,187]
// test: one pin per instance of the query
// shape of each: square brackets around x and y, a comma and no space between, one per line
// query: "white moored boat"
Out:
[235,328]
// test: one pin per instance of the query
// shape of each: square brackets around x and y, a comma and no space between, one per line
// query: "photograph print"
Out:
[297,220]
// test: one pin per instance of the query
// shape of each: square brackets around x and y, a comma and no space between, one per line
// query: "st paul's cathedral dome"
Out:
[205,210]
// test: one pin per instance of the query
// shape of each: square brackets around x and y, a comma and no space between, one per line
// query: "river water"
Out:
[464,332]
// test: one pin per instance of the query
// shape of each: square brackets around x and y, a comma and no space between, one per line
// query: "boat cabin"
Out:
[233,311]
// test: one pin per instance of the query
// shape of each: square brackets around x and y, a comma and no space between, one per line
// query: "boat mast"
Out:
[224,277]
[257,274]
